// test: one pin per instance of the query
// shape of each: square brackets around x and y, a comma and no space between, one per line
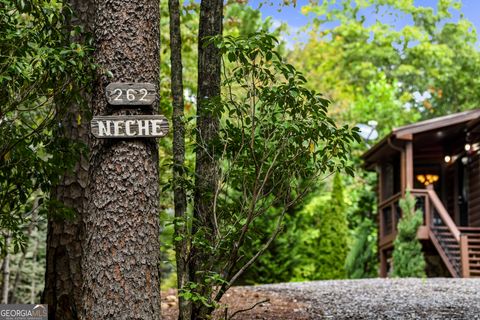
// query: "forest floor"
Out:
[436,298]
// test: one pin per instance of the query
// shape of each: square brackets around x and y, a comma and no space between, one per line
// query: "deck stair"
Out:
[473,238]
[459,247]
[449,245]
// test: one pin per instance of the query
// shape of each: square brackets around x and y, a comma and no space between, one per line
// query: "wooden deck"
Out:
[458,247]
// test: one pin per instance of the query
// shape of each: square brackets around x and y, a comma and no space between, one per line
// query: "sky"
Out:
[296,20]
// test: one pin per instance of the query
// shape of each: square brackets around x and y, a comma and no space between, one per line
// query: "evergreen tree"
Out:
[362,261]
[408,260]
[325,246]
[333,236]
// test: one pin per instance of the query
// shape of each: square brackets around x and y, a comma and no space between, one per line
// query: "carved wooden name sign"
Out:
[128,93]
[129,126]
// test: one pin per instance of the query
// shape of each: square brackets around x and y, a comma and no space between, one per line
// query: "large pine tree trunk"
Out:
[63,276]
[179,193]
[206,166]
[121,249]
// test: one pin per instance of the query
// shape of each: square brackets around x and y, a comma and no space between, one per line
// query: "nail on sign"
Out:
[129,126]
[129,93]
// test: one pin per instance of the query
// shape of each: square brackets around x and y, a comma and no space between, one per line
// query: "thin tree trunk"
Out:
[63,275]
[18,274]
[6,269]
[121,249]
[34,264]
[206,166]
[179,194]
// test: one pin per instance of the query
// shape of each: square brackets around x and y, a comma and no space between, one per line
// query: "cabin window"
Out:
[387,221]
[390,179]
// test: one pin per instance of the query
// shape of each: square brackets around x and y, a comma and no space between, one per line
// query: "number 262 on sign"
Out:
[125,93]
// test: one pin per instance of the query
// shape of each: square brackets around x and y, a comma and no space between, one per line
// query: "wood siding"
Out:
[390,178]
[450,199]
[474,192]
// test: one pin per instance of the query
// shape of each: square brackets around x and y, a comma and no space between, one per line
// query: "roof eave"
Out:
[379,145]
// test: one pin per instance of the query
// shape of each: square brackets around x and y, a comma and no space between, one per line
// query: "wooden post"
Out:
[380,183]
[383,264]
[403,172]
[381,224]
[409,164]
[406,167]
[456,188]
[428,209]
[464,256]
[381,230]
[393,213]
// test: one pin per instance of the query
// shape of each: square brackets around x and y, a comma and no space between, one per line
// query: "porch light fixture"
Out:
[427,179]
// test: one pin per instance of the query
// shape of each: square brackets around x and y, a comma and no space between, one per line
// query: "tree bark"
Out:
[206,166]
[179,194]
[121,249]
[63,275]
[6,269]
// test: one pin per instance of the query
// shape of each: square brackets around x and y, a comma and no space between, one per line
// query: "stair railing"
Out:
[442,214]
[446,236]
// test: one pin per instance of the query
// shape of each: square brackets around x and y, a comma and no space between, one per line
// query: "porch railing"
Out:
[390,213]
[459,248]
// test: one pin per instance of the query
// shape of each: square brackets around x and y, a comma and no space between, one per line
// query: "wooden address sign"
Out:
[129,126]
[131,94]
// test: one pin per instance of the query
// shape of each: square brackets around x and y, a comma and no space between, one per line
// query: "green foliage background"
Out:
[41,71]
[314,243]
[372,69]
[325,238]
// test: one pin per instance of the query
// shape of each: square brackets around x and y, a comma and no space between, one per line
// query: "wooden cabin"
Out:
[438,160]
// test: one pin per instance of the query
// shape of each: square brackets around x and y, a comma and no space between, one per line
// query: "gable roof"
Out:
[436,123]
[408,131]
